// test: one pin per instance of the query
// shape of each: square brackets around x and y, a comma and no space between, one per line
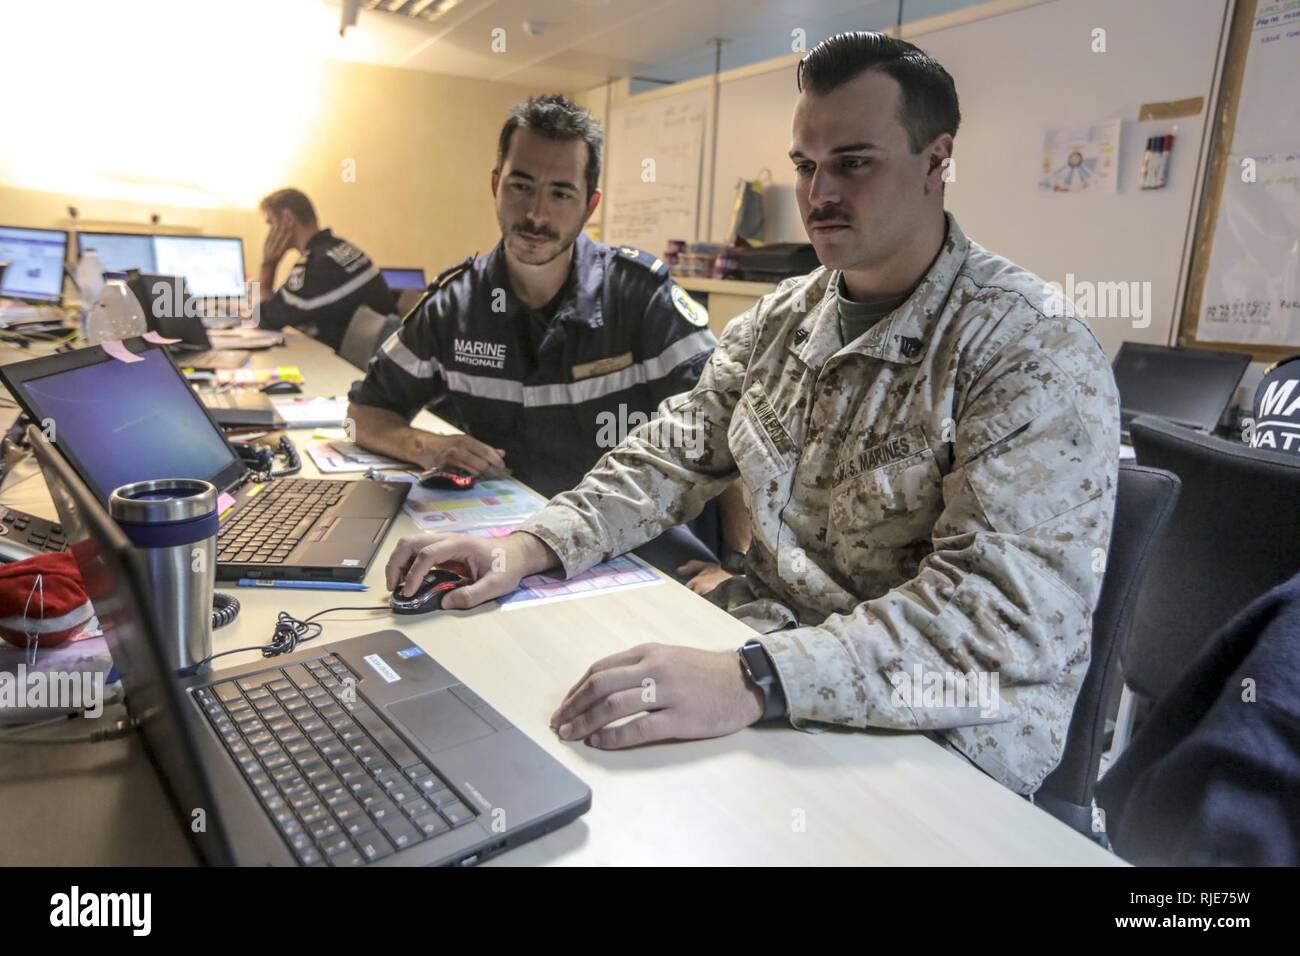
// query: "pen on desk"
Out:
[304,585]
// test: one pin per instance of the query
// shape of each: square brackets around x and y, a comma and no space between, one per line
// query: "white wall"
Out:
[1017,73]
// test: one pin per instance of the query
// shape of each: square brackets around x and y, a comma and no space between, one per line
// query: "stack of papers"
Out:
[258,376]
[312,412]
[341,456]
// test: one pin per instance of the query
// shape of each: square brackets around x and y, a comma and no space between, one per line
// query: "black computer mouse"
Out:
[437,584]
[448,479]
[281,388]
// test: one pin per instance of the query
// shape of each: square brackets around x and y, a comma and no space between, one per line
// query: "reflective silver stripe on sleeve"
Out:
[535,396]
[406,360]
[648,371]
[677,353]
[326,298]
[481,386]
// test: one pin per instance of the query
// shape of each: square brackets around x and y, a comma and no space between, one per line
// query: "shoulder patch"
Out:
[652,263]
[297,276]
[691,310]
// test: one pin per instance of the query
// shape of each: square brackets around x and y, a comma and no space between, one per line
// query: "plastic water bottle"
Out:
[90,283]
[116,315]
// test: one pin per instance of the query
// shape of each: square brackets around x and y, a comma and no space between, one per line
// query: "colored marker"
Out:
[304,585]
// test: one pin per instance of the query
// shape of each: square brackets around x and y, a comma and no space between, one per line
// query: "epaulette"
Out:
[448,274]
[1280,362]
[645,260]
[440,280]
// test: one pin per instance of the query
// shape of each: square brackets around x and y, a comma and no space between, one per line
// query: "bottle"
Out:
[90,283]
[116,315]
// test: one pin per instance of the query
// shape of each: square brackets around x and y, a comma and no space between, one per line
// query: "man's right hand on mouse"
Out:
[459,451]
[496,565]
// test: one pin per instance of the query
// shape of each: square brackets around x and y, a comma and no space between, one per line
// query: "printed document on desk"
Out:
[492,502]
[620,574]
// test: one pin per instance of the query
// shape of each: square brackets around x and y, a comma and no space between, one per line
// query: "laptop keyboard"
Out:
[342,787]
[268,527]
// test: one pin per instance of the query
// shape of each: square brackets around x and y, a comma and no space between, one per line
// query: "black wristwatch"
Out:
[733,561]
[758,668]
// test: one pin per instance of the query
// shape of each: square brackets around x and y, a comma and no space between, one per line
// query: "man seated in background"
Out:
[327,285]
[1277,407]
[929,449]
[550,348]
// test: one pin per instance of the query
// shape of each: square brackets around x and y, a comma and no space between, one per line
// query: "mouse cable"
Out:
[288,634]
[120,728]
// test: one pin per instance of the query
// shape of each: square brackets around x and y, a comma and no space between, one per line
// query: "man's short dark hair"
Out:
[928,106]
[556,117]
[294,200]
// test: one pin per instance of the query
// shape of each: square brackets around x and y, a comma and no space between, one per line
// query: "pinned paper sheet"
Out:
[117,350]
[157,339]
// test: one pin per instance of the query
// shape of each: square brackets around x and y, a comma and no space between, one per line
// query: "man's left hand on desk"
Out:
[689,694]
[703,576]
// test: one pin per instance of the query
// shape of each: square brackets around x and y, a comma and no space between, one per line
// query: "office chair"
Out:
[1235,534]
[367,331]
[1144,500]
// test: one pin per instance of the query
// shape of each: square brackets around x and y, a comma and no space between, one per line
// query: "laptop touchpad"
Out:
[440,720]
[348,530]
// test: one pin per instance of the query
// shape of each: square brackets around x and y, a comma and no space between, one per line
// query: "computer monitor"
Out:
[213,266]
[120,422]
[1190,387]
[35,258]
[119,251]
[399,279]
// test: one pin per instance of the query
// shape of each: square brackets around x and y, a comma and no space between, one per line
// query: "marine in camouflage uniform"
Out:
[936,494]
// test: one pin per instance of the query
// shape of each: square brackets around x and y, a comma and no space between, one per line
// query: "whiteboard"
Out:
[653,171]
[1252,285]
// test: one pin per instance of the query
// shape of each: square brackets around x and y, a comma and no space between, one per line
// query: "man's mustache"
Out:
[523,227]
[828,214]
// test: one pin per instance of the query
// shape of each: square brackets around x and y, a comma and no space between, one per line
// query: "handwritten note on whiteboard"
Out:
[653,171]
[1252,286]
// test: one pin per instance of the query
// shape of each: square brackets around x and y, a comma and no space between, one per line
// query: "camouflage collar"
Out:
[902,337]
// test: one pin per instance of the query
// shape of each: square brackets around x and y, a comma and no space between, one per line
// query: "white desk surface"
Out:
[764,796]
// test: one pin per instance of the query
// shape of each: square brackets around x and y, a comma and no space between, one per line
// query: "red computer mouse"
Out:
[437,584]
[448,479]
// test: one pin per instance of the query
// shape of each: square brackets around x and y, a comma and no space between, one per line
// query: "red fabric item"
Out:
[42,597]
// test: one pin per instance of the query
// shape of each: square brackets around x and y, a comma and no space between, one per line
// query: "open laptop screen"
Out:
[1186,386]
[120,422]
[118,590]
[399,279]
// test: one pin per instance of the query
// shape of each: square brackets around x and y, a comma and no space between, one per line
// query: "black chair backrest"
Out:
[1144,501]
[1234,535]
[367,331]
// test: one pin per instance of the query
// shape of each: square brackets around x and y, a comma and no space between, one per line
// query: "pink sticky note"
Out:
[224,503]
[157,339]
[120,352]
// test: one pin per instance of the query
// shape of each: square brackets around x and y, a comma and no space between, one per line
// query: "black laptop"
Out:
[169,311]
[1189,387]
[119,422]
[366,750]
